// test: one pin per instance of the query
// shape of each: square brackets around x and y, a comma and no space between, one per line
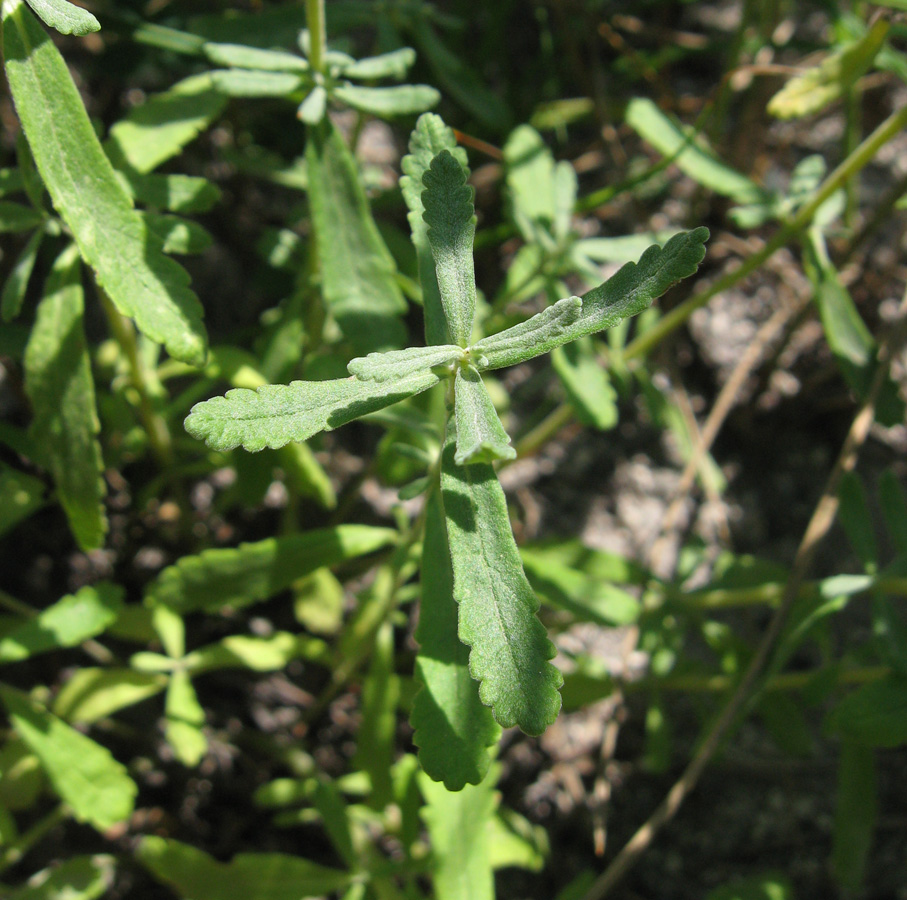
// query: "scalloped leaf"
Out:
[240,576]
[112,237]
[402,363]
[429,138]
[452,729]
[275,414]
[450,216]
[510,650]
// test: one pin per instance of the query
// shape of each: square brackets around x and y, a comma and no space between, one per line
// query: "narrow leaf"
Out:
[92,694]
[68,622]
[452,729]
[387,65]
[18,217]
[312,109]
[112,237]
[428,139]
[17,282]
[250,83]
[497,609]
[689,155]
[83,773]
[397,364]
[458,828]
[449,213]
[158,129]
[530,178]
[856,812]
[252,876]
[185,718]
[246,57]
[587,384]
[59,384]
[811,91]
[267,654]
[481,437]
[358,273]
[400,100]
[538,335]
[252,572]
[65,17]
[276,414]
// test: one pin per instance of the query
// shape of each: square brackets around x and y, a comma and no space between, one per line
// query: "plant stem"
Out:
[314,14]
[155,427]
[857,160]
[15,851]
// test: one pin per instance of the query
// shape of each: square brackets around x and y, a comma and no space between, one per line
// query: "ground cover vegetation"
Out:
[504,487]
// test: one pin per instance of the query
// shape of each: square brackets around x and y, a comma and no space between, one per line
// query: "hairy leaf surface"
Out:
[275,414]
[245,57]
[428,139]
[452,729]
[65,17]
[112,237]
[450,216]
[59,384]
[402,363]
[497,608]
[481,437]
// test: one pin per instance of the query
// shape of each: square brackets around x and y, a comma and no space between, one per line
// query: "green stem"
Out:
[314,14]
[839,177]
[15,851]
[155,427]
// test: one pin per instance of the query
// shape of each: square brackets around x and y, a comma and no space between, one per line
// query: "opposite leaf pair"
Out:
[474,591]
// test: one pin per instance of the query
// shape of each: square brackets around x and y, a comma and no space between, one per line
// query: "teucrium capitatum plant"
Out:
[475,593]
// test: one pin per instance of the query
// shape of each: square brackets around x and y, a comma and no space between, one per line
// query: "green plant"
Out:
[490,606]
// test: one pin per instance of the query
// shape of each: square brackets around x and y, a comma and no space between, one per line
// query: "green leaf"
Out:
[481,437]
[275,414]
[112,237]
[244,57]
[312,109]
[756,887]
[587,384]
[185,718]
[497,609]
[537,335]
[514,841]
[893,501]
[856,519]
[176,193]
[450,216]
[358,274]
[429,138]
[67,623]
[83,773]
[179,235]
[17,282]
[689,154]
[252,876]
[240,651]
[856,812]
[65,17]
[386,65]
[60,386]
[452,729]
[92,694]
[458,828]
[251,83]
[158,129]
[253,572]
[811,91]
[20,496]
[400,100]
[76,878]
[875,714]
[403,363]
[17,217]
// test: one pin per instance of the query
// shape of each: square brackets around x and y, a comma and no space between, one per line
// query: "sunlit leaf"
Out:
[402,363]
[481,437]
[92,694]
[65,17]
[76,878]
[399,100]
